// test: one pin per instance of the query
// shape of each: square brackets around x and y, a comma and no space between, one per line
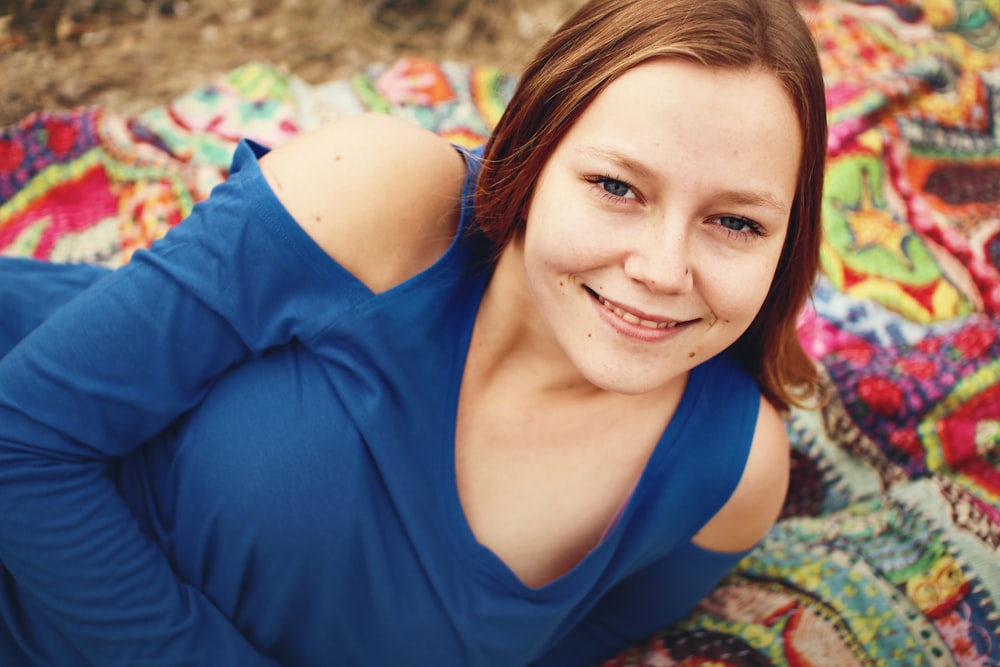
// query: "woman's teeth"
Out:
[629,317]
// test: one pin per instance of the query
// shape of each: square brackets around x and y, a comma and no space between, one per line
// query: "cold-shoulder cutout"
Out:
[755,504]
[380,195]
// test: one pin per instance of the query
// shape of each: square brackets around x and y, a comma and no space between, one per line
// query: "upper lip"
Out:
[641,314]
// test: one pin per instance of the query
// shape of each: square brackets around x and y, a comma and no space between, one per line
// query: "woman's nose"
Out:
[662,261]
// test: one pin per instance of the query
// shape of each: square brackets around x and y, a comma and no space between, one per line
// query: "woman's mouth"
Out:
[630,317]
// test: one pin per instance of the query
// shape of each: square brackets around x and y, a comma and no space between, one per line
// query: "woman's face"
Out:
[657,223]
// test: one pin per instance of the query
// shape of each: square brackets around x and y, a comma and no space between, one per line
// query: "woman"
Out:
[336,417]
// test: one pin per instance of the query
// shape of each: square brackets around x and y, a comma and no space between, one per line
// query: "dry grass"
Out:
[131,56]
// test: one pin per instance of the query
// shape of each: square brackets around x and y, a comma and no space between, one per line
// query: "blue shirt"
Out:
[232,452]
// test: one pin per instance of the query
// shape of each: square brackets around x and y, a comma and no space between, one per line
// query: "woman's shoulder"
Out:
[380,195]
[756,502]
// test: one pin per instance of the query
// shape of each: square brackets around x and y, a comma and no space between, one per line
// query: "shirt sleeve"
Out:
[113,368]
[645,603]
[32,289]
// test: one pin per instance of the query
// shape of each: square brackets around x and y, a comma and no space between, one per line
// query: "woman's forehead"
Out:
[670,115]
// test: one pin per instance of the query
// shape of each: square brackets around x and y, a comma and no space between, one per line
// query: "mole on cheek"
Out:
[691,355]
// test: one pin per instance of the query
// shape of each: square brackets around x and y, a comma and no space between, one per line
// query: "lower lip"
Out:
[636,331]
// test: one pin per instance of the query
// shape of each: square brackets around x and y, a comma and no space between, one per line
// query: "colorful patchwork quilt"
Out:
[888,549]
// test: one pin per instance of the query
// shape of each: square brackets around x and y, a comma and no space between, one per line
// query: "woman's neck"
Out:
[512,342]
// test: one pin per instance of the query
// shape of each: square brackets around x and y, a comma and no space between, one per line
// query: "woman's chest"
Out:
[541,484]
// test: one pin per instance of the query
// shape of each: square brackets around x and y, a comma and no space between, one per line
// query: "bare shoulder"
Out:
[755,504]
[379,194]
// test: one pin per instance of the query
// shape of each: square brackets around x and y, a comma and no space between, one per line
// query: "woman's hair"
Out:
[603,40]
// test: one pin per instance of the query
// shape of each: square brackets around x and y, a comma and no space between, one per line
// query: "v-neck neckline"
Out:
[487,562]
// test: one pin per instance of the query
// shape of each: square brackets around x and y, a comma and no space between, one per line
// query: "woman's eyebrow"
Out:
[625,162]
[754,199]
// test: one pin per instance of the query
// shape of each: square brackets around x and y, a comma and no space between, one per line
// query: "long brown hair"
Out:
[604,39]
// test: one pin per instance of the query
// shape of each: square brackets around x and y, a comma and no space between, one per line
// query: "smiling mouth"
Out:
[630,317]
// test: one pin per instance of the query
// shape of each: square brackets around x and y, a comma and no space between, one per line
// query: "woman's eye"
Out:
[617,188]
[740,225]
[613,187]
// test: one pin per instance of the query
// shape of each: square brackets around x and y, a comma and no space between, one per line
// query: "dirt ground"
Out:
[130,56]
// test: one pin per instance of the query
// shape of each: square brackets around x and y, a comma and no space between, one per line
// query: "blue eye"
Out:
[740,225]
[616,188]
[613,188]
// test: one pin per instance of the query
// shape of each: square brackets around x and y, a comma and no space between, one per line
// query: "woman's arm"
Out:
[117,365]
[102,375]
[84,387]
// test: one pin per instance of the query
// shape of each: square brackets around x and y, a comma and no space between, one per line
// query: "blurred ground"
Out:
[130,56]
